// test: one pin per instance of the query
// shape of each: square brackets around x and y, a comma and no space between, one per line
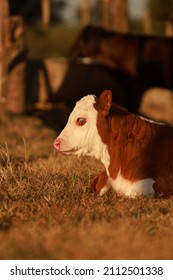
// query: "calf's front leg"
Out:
[100,183]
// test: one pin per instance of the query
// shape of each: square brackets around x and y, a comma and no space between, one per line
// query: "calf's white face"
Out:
[80,135]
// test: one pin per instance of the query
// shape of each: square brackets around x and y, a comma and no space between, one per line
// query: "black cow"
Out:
[82,79]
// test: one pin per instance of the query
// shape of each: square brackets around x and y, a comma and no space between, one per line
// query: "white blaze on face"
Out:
[80,135]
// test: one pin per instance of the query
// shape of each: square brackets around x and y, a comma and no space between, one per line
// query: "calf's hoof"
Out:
[93,184]
[99,182]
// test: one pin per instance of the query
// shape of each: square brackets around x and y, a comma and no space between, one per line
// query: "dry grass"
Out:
[48,212]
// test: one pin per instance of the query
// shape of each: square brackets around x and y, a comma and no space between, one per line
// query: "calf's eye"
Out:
[80,121]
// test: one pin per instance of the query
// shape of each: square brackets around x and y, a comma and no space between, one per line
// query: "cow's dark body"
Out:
[82,79]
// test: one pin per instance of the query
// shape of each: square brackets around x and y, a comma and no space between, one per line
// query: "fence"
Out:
[12,61]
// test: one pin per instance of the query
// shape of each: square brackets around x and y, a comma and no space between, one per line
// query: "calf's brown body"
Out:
[138,148]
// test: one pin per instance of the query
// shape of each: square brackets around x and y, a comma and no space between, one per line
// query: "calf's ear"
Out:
[105,102]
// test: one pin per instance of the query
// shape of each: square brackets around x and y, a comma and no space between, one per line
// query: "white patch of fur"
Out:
[84,140]
[141,187]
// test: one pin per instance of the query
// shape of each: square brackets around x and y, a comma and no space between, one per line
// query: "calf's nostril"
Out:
[57,143]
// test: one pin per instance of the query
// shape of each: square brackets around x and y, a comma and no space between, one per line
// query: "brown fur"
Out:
[127,52]
[139,148]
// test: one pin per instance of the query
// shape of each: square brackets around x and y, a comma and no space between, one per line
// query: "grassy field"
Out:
[54,41]
[48,212]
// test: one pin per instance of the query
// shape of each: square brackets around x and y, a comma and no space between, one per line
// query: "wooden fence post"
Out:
[4,13]
[124,15]
[147,23]
[106,14]
[45,12]
[85,12]
[169,28]
[12,61]
[120,20]
[16,65]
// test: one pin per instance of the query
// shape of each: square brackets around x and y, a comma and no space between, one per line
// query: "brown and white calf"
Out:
[137,153]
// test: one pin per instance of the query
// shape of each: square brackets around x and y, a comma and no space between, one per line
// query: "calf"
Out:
[137,153]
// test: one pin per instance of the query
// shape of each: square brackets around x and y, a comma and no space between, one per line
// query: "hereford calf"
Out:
[137,153]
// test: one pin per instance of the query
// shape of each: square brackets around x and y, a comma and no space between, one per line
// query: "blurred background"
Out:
[65,18]
[36,36]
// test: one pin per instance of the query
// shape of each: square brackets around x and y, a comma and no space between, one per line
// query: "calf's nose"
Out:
[57,143]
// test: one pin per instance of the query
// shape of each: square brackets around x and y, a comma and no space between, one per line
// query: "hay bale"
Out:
[157,104]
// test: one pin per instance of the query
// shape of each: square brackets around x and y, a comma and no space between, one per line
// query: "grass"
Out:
[48,212]
[53,41]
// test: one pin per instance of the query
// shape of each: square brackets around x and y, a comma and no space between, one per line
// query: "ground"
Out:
[48,212]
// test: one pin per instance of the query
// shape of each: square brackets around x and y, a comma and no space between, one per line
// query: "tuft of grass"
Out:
[47,210]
